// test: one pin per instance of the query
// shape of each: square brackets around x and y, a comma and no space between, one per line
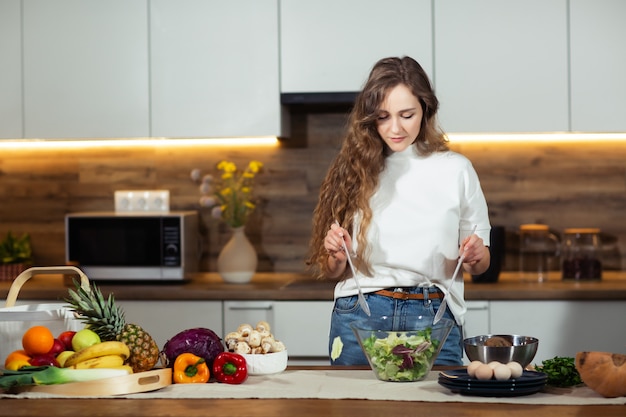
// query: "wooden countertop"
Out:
[62,407]
[295,286]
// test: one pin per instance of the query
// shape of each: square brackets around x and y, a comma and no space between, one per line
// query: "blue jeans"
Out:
[347,310]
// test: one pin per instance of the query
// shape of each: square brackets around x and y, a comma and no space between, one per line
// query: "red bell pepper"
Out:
[230,367]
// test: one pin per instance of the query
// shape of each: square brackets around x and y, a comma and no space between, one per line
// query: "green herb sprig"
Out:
[561,372]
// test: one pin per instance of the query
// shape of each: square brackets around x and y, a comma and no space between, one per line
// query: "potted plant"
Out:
[15,255]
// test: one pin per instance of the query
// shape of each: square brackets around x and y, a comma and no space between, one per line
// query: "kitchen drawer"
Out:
[251,312]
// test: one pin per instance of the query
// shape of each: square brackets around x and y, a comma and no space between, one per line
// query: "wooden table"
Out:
[123,407]
[287,407]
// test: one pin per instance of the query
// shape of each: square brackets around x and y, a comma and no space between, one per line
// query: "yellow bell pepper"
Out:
[190,369]
[17,364]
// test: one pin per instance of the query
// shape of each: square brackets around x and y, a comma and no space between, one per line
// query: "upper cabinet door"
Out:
[501,66]
[598,65]
[330,46]
[10,70]
[215,68]
[86,68]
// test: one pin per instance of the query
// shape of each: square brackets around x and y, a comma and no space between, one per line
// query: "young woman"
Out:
[406,206]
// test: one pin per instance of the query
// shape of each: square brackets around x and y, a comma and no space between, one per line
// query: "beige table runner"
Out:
[353,384]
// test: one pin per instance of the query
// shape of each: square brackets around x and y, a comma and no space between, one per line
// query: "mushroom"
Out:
[278,346]
[263,326]
[254,339]
[266,344]
[231,340]
[242,347]
[244,329]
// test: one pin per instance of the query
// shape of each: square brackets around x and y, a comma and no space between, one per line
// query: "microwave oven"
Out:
[133,246]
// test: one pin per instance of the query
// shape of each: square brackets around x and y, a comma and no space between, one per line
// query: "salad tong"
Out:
[362,301]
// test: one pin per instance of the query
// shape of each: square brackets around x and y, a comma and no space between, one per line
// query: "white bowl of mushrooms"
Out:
[264,354]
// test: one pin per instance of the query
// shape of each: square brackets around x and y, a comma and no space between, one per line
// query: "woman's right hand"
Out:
[333,243]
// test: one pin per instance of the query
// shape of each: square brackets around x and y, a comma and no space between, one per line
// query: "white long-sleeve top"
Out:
[423,209]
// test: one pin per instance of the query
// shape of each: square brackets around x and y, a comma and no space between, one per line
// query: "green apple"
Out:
[84,338]
[62,357]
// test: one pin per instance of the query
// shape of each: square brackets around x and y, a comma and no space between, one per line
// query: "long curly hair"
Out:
[354,173]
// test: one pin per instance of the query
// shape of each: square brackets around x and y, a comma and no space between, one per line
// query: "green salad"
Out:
[401,356]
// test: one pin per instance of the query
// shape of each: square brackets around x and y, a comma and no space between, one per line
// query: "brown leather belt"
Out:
[399,295]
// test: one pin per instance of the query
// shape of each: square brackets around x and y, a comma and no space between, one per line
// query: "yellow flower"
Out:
[255,166]
[232,192]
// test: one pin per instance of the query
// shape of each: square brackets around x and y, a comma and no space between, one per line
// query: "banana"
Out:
[127,368]
[107,361]
[97,350]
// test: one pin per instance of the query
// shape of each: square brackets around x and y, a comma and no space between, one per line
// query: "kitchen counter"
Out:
[295,286]
[310,404]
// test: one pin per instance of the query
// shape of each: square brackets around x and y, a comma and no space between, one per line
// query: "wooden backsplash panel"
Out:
[563,185]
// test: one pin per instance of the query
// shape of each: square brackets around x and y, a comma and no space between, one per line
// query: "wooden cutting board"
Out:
[119,385]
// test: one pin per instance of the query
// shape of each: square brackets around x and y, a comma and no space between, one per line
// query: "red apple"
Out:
[57,348]
[42,360]
[66,338]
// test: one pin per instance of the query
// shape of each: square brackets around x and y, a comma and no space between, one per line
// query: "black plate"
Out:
[494,392]
[459,381]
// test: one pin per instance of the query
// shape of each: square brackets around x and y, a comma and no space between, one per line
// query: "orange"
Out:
[38,340]
[16,355]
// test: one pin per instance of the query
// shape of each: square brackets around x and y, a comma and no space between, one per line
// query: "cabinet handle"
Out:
[251,306]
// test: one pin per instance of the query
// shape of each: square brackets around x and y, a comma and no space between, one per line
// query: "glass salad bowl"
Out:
[401,349]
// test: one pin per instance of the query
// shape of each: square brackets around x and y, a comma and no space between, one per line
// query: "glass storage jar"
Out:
[581,254]
[539,251]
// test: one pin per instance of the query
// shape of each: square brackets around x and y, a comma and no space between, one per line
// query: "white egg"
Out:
[502,372]
[471,368]
[516,369]
[493,364]
[484,372]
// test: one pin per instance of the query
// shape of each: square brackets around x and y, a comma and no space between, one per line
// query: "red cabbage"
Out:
[200,341]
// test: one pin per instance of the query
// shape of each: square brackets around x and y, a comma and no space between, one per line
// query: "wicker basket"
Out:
[8,272]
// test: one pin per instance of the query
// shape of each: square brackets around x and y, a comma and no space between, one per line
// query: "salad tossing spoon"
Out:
[444,302]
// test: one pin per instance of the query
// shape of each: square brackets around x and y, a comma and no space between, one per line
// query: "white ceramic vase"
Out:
[238,260]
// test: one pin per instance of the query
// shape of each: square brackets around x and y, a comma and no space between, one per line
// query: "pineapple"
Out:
[108,321]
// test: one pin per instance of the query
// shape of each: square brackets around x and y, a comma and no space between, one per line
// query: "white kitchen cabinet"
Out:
[10,70]
[85,68]
[563,327]
[501,66]
[215,68]
[164,319]
[304,326]
[330,46]
[598,65]
[476,321]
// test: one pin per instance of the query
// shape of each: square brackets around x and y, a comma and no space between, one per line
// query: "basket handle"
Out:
[38,270]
